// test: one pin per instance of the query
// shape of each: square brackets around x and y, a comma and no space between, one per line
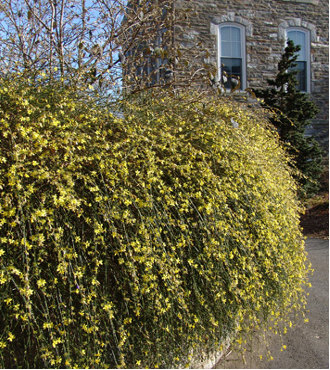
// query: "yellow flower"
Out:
[48,325]
[56,342]
[41,283]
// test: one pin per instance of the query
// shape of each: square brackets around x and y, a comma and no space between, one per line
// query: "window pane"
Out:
[231,67]
[226,50]
[225,33]
[235,34]
[299,38]
[230,37]
[230,33]
[301,75]
[236,67]
[236,50]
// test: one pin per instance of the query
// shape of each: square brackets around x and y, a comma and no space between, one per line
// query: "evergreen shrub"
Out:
[131,240]
[293,111]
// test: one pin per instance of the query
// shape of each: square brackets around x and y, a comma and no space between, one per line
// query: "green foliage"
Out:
[293,113]
[131,240]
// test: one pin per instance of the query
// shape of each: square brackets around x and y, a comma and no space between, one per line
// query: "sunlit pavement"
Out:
[307,344]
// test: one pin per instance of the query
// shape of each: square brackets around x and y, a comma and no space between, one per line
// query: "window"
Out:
[232,54]
[301,37]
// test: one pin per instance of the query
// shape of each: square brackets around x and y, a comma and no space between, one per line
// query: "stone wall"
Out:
[265,22]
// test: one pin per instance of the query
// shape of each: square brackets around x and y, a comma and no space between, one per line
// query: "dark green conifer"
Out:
[293,114]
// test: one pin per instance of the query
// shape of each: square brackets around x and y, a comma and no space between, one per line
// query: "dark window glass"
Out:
[231,68]
[301,76]
[299,38]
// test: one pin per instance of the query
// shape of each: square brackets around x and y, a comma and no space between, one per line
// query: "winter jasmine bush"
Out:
[130,240]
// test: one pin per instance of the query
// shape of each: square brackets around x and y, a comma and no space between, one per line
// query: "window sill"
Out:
[313,2]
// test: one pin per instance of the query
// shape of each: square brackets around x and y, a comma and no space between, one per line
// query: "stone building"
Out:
[243,39]
[246,38]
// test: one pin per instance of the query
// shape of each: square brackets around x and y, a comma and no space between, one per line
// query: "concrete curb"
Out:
[200,360]
[209,362]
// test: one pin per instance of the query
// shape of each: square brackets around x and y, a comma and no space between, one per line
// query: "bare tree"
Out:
[103,43]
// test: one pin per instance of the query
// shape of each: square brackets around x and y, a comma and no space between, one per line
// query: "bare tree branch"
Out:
[109,44]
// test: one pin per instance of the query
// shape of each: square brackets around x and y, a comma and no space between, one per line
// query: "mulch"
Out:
[315,221]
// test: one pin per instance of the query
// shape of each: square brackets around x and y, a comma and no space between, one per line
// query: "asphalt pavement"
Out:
[307,344]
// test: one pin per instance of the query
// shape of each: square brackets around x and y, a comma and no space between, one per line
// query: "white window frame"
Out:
[243,50]
[308,52]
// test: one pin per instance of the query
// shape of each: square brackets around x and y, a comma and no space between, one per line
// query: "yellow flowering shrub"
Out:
[131,239]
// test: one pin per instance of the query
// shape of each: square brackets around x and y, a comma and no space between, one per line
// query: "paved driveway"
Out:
[307,343]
